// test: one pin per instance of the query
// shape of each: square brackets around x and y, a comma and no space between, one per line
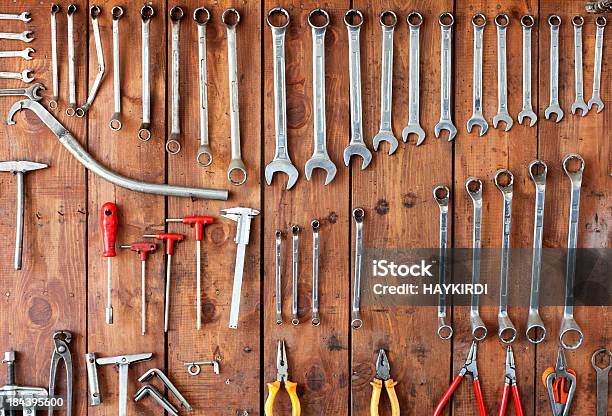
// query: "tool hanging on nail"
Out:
[156,372]
[94,13]
[282,376]
[295,236]
[61,351]
[278,278]
[315,319]
[204,157]
[55,8]
[602,381]
[383,378]
[146,14]
[473,186]
[510,385]
[441,194]
[109,222]
[600,22]
[414,20]
[579,104]
[356,321]
[143,250]
[95,398]
[560,385]
[527,22]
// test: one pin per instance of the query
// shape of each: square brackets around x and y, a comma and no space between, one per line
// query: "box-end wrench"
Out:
[146,13]
[527,22]
[598,6]
[316,225]
[506,331]
[570,334]
[25,54]
[579,104]
[388,20]
[25,75]
[353,19]
[441,195]
[282,161]
[501,22]
[32,92]
[173,144]
[55,8]
[602,381]
[295,237]
[72,105]
[94,13]
[115,122]
[23,36]
[415,20]
[278,236]
[600,22]
[24,17]
[473,186]
[201,16]
[554,22]
[479,22]
[446,20]
[320,158]
[536,331]
[236,171]
[356,321]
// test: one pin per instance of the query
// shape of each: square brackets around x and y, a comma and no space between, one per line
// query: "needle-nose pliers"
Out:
[282,376]
[560,383]
[510,384]
[383,375]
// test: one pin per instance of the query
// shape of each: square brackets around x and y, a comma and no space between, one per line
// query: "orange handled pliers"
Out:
[282,376]
[560,383]
[383,376]
[469,368]
[510,384]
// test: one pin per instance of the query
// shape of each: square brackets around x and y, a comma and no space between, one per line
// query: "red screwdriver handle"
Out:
[198,221]
[109,222]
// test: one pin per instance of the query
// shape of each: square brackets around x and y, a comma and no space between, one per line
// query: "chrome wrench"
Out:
[278,282]
[146,13]
[22,36]
[25,75]
[201,16]
[295,236]
[356,321]
[473,186]
[600,22]
[502,21]
[55,8]
[602,381]
[554,22]
[173,144]
[24,17]
[442,196]
[72,105]
[527,22]
[24,54]
[414,20]
[579,104]
[94,12]
[315,320]
[115,123]
[479,22]
[446,21]
[32,92]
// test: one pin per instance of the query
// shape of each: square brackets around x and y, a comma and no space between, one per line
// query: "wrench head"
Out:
[503,117]
[554,109]
[320,162]
[22,166]
[385,136]
[26,76]
[478,121]
[533,117]
[413,129]
[25,36]
[358,150]
[25,17]
[32,91]
[580,105]
[27,54]
[285,166]
[448,126]
[204,156]
[236,172]
[598,102]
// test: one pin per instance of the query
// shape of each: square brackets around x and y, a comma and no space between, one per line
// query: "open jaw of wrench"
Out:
[414,20]
[278,281]
[320,158]
[22,36]
[24,17]
[473,186]
[446,20]
[579,104]
[554,22]
[600,22]
[55,8]
[295,237]
[115,122]
[25,75]
[536,331]
[94,12]
[356,321]
[602,380]
[501,22]
[31,92]
[201,16]
[72,105]
[315,320]
[24,54]
[173,144]
[570,334]
[506,332]
[441,195]
[281,162]
[146,13]
[479,22]
[527,23]
[388,20]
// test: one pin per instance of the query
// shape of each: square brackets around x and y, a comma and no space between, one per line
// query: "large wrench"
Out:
[31,92]
[236,172]
[320,158]
[385,133]
[173,144]
[201,16]
[71,109]
[23,36]
[282,161]
[414,20]
[473,186]
[315,320]
[278,235]
[479,22]
[600,22]
[295,238]
[55,8]
[527,22]
[24,17]
[356,321]
[446,21]
[441,194]
[25,54]
[94,12]
[146,13]
[115,122]
[502,21]
[353,19]
[554,22]
[602,381]
[536,331]
[569,327]
[25,75]
[579,104]
[506,331]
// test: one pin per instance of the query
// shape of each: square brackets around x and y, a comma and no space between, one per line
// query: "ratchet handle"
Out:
[109,223]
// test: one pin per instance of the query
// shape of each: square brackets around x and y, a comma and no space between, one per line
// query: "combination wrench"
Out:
[536,331]
[295,247]
[72,105]
[415,20]
[506,331]
[602,381]
[554,22]
[316,225]
[25,75]
[94,12]
[388,20]
[32,92]
[527,22]
[24,54]
[24,17]
[55,8]
[570,334]
[115,122]
[282,161]
[446,20]
[278,236]
[353,19]
[146,13]
[479,22]
[502,21]
[579,104]
[173,144]
[23,36]
[320,158]
[600,22]
[356,321]
[441,194]
[473,186]
[236,172]
[201,16]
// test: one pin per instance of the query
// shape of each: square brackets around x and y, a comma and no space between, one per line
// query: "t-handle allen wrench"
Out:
[473,186]
[358,216]
[441,194]
[143,250]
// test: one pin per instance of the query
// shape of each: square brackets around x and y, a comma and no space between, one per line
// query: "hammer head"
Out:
[22,166]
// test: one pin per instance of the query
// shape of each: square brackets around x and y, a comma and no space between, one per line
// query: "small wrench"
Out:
[23,36]
[502,21]
[25,54]
[446,21]
[24,17]
[414,20]
[554,22]
[31,92]
[55,8]
[315,320]
[278,235]
[479,22]
[473,186]
[441,194]
[602,381]
[115,123]
[356,321]
[25,75]
[527,22]
[353,19]
[600,22]
[579,104]
[71,109]
[201,16]
[173,144]
[295,237]
[146,13]
[94,12]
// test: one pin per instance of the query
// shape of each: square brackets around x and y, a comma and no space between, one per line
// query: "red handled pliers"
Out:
[510,384]
[469,368]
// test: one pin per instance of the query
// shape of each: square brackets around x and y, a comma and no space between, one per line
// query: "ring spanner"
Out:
[441,194]
[115,123]
[173,144]
[72,105]
[295,236]
[473,186]
[316,225]
[356,321]
[278,236]
[94,12]
[55,8]
[201,16]
[602,381]
[146,13]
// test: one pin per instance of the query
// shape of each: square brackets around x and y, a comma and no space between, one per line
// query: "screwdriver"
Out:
[169,239]
[143,249]
[108,224]
[197,222]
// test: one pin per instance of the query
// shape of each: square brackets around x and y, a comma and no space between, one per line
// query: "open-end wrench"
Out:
[356,321]
[473,186]
[146,13]
[479,22]
[441,195]
[320,158]
[502,21]
[414,20]
[506,331]
[23,36]
[446,20]
[94,12]
[315,320]
[24,17]
[71,109]
[602,381]
[600,22]
[388,20]
[25,54]
[579,104]
[536,331]
[353,19]
[173,144]
[278,235]
[281,161]
[31,92]
[554,22]
[527,22]
[25,75]
[55,8]
[295,237]
[115,122]
[570,334]
[236,172]
[201,16]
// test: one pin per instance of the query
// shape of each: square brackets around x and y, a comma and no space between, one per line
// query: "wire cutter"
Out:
[510,384]
[282,375]
[383,375]
[469,368]
[61,339]
[556,379]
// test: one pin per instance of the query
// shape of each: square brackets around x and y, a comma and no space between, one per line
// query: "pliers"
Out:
[383,375]
[555,380]
[282,375]
[510,384]
[469,368]
[61,339]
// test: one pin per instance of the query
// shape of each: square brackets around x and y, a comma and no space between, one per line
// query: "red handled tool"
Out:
[560,383]
[510,384]
[109,222]
[143,249]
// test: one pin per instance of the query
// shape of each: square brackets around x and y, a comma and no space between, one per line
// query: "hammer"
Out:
[19,168]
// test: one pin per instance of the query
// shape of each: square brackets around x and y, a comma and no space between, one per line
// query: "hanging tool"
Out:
[600,22]
[502,21]
[510,384]
[479,21]
[146,14]
[315,319]
[560,384]
[415,20]
[441,194]
[143,250]
[109,222]
[31,92]
[197,222]
[446,20]
[356,321]
[173,143]
[527,22]
[579,104]
[168,384]
[599,6]
[295,237]
[27,395]
[55,8]
[602,381]
[383,376]
[169,239]
[282,376]
[24,16]
[25,75]
[22,36]
[469,368]
[24,54]
[204,157]
[278,281]
[193,368]
[473,186]
[554,22]
[94,13]
[115,122]
[95,398]
[149,390]
[72,103]
[61,339]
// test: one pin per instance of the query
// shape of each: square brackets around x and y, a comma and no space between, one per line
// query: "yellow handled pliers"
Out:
[383,375]
[282,376]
